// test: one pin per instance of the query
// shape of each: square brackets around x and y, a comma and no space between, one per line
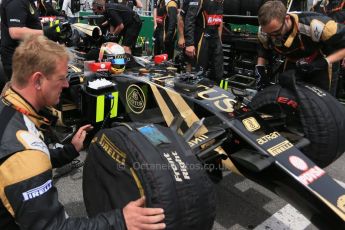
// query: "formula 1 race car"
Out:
[166,135]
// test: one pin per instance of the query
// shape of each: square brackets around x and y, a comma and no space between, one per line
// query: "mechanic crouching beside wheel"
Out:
[202,31]
[29,199]
[123,21]
[311,42]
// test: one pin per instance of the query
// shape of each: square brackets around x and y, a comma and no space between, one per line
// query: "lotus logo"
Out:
[135,98]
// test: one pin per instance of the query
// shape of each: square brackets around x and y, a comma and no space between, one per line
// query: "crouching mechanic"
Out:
[29,200]
[165,32]
[123,21]
[202,32]
[312,43]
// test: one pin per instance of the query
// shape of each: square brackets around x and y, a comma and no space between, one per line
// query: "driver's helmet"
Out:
[114,53]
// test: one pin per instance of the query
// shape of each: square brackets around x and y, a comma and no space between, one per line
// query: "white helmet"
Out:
[114,53]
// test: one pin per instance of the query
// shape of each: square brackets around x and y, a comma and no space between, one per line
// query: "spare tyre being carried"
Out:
[132,160]
[314,114]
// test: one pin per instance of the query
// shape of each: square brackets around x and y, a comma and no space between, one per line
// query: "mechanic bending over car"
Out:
[123,21]
[18,19]
[312,43]
[165,32]
[203,28]
[29,199]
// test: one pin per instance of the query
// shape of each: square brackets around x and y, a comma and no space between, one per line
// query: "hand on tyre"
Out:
[262,80]
[304,66]
[79,137]
[137,217]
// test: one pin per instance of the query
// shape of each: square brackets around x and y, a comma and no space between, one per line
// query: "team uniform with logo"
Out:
[202,22]
[312,37]
[15,13]
[28,199]
[165,33]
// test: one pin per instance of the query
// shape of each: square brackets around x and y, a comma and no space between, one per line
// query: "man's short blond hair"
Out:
[36,53]
[271,10]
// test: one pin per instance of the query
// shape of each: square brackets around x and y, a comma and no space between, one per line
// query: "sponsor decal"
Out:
[251,124]
[197,140]
[112,150]
[267,138]
[30,141]
[214,19]
[316,90]
[135,98]
[14,20]
[298,163]
[38,191]
[194,3]
[311,175]
[279,148]
[341,203]
[287,101]
[178,166]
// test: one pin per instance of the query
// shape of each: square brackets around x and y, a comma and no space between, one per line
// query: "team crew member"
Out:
[18,19]
[123,21]
[203,28]
[29,200]
[165,32]
[310,41]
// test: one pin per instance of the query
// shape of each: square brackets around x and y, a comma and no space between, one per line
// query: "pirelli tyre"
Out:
[130,160]
[315,115]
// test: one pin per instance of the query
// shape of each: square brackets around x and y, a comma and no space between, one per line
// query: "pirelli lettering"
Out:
[267,138]
[279,148]
[113,151]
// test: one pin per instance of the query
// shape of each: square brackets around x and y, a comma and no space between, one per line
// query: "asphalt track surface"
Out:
[241,204]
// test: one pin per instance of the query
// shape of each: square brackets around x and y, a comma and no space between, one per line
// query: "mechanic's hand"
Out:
[190,51]
[79,137]
[262,80]
[181,42]
[138,218]
[304,67]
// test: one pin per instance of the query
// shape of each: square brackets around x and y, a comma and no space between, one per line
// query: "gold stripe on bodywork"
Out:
[189,117]
[330,205]
[329,30]
[186,112]
[19,167]
[167,114]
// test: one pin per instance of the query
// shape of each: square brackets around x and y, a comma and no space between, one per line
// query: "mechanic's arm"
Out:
[32,200]
[62,156]
[190,20]
[336,56]
[19,33]
[180,27]
[172,15]
[116,30]
[116,23]
[220,30]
